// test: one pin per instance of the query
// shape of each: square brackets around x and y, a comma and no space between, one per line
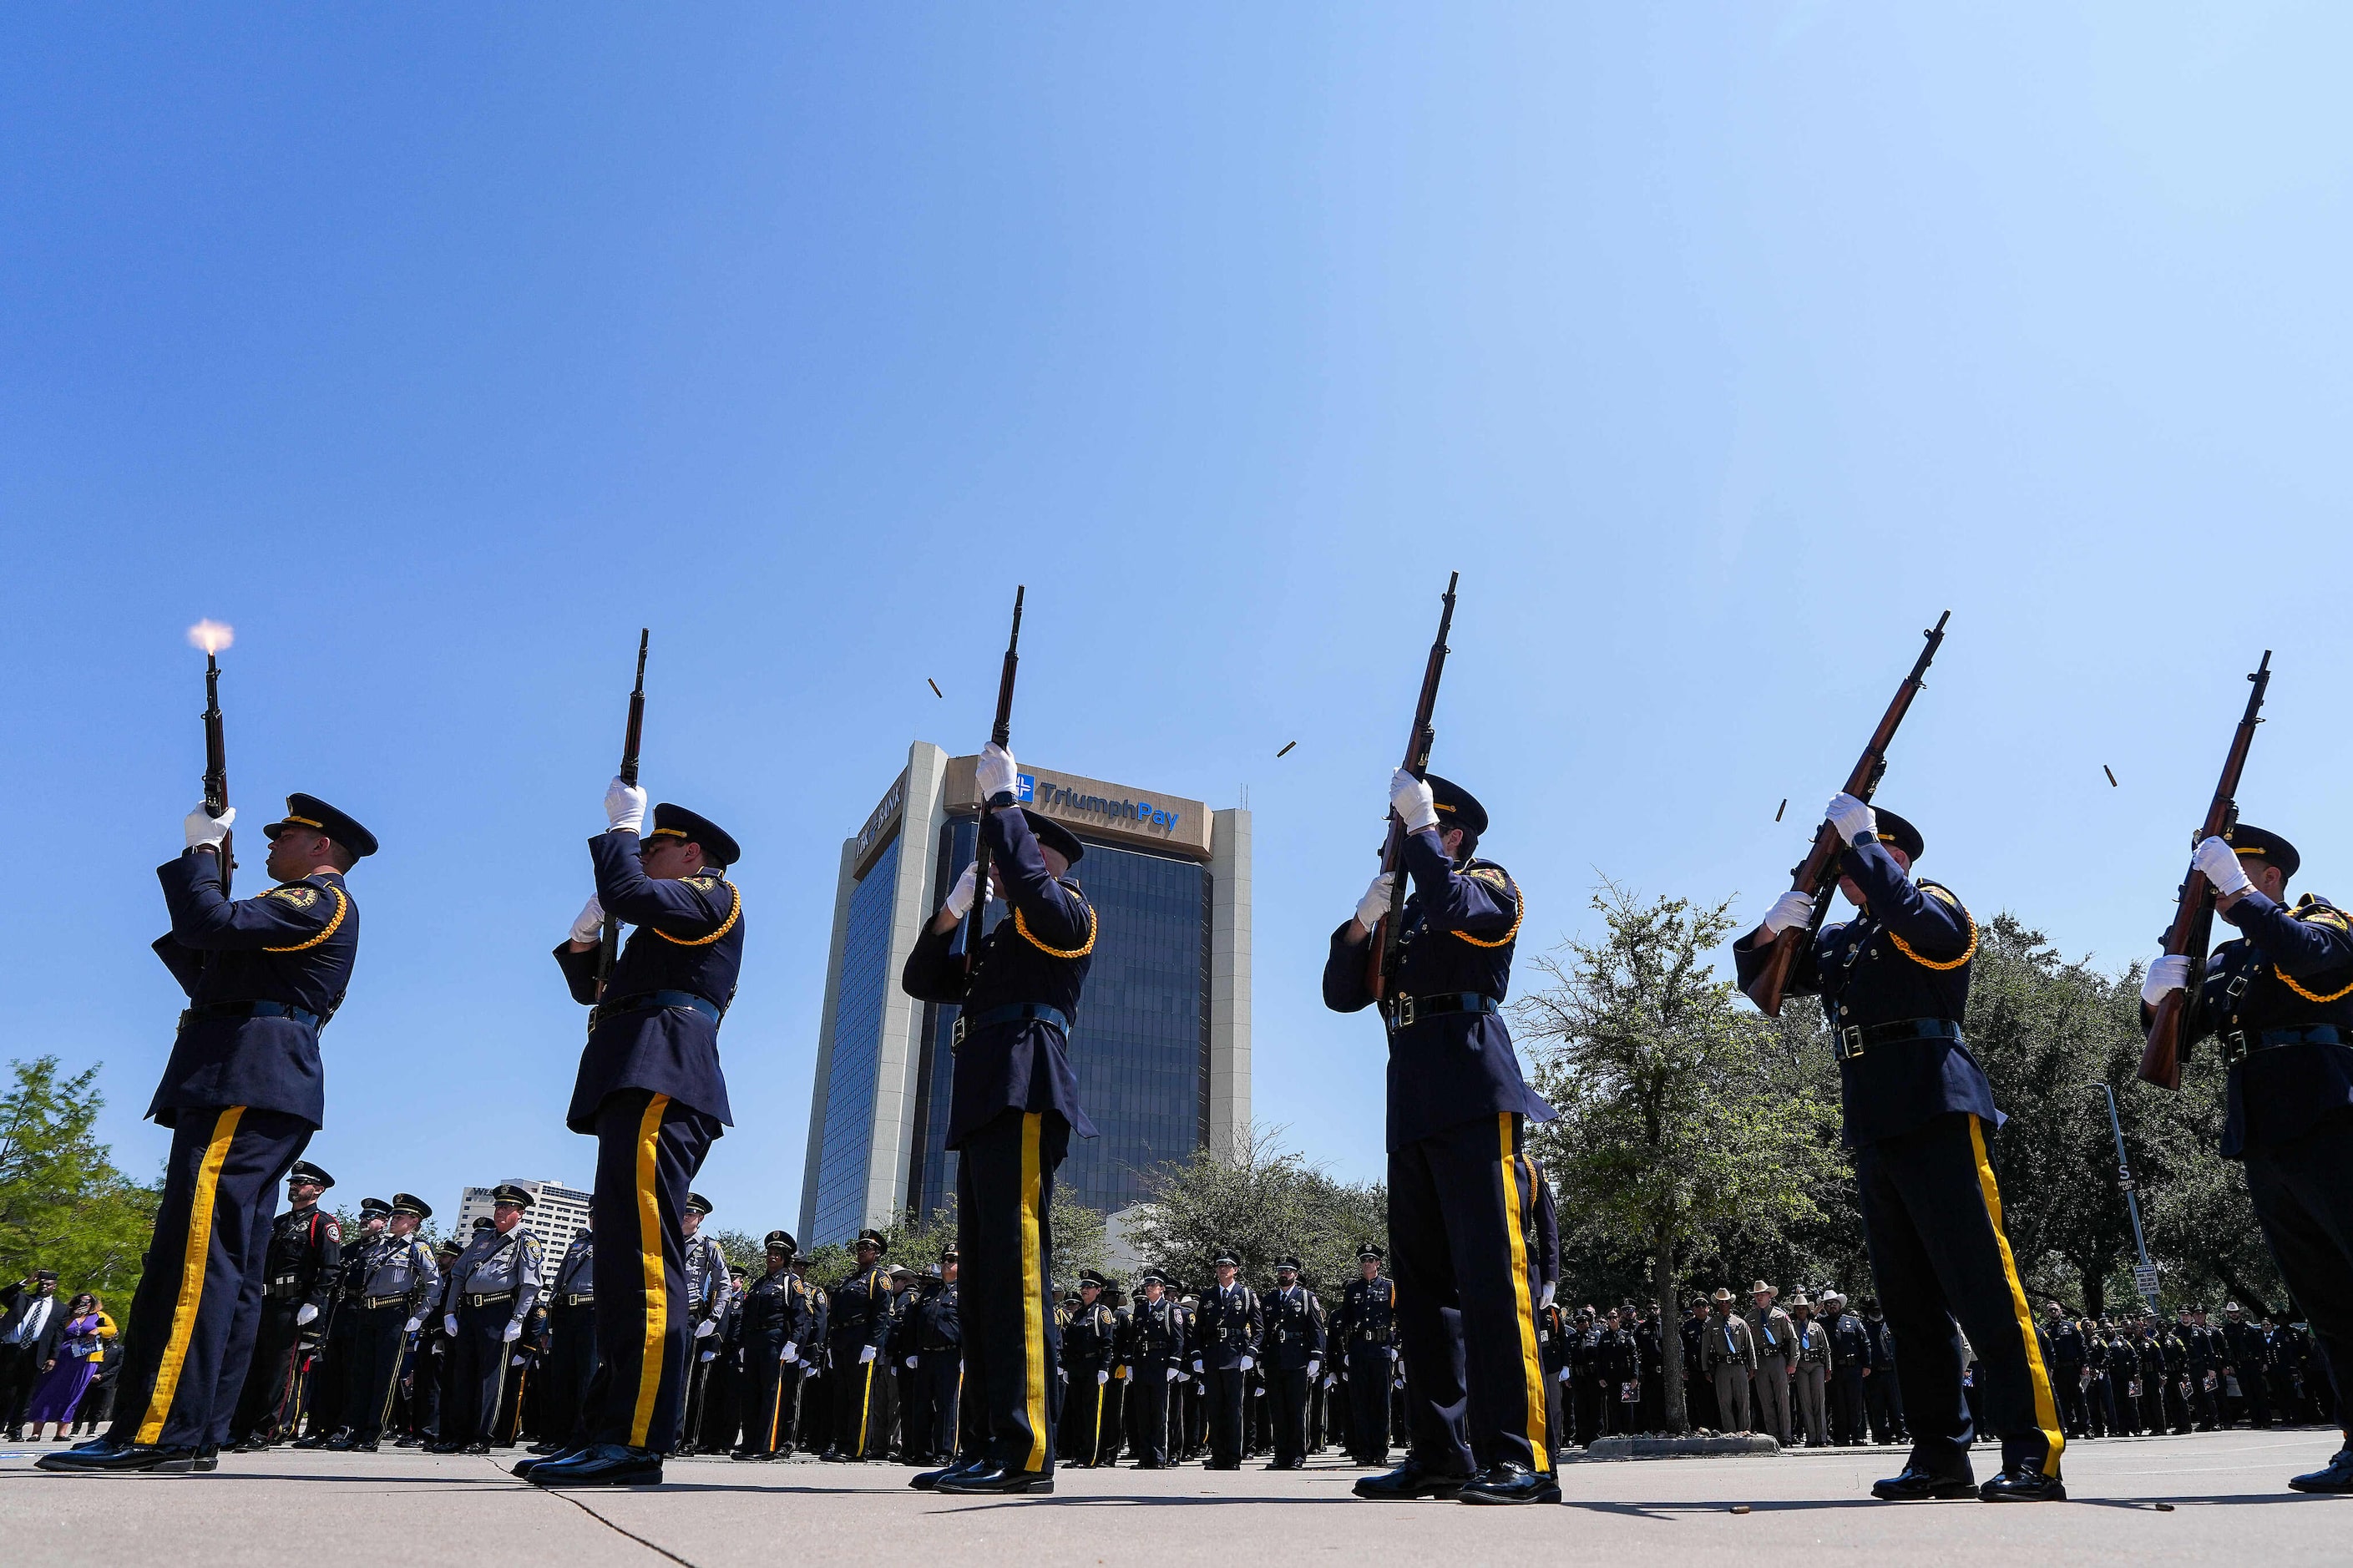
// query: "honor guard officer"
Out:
[1159,1366]
[1365,1328]
[650,1091]
[1227,1328]
[571,1368]
[1295,1356]
[304,1261]
[937,1342]
[1013,1107]
[1894,982]
[2280,999]
[858,1330]
[1460,1193]
[398,1283]
[493,1286]
[775,1322]
[242,1094]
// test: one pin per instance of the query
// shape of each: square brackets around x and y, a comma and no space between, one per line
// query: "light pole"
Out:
[2143,1276]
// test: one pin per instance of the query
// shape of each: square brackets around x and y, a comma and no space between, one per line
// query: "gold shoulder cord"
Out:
[342,904]
[1519,913]
[2289,981]
[1022,926]
[1967,954]
[734,908]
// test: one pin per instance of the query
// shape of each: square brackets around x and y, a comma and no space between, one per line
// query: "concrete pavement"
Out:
[402,1510]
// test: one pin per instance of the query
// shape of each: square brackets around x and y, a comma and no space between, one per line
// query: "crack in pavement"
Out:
[563,1496]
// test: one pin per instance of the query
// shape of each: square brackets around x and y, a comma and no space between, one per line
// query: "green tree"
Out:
[63,1204]
[1684,1116]
[1263,1202]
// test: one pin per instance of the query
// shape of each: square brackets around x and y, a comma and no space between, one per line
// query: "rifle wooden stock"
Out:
[1381,952]
[1000,734]
[1818,870]
[609,940]
[217,766]
[2193,914]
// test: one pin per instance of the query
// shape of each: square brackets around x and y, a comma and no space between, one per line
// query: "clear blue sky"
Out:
[439,348]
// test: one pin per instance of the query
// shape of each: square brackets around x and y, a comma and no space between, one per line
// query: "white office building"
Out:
[557,1213]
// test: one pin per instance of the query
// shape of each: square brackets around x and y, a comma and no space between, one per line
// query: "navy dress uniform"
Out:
[242,1094]
[1014,1105]
[2279,999]
[1894,982]
[1294,1347]
[302,1267]
[493,1287]
[398,1281]
[571,1367]
[935,1338]
[1158,1338]
[1460,1193]
[774,1322]
[650,1091]
[1088,1353]
[331,1413]
[1227,1328]
[1366,1326]
[857,1331]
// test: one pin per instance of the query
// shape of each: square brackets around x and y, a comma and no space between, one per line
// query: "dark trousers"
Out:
[933,1407]
[861,1391]
[1147,1415]
[2067,1384]
[1085,1439]
[1004,1194]
[378,1341]
[769,1385]
[1459,1208]
[570,1368]
[648,1148]
[1286,1413]
[191,1328]
[18,1371]
[1848,1423]
[270,1403]
[1882,1400]
[1368,1404]
[477,1372]
[1932,1220]
[2302,1195]
[1221,1404]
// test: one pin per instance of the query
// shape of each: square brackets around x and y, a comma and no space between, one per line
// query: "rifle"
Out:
[609,940]
[1001,734]
[217,760]
[1818,870]
[2193,915]
[1382,956]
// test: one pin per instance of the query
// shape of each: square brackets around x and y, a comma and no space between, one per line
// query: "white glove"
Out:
[449,1324]
[1374,907]
[911,1363]
[1563,1376]
[1791,908]
[959,901]
[1102,1378]
[512,1331]
[792,1351]
[1550,1286]
[1247,1364]
[997,773]
[1175,1375]
[865,1354]
[203,827]
[710,1355]
[1197,1365]
[590,923]
[518,1361]
[310,1311]
[1851,817]
[2167,972]
[625,806]
[1410,799]
[1390,1351]
[2220,864]
[411,1326]
[1315,1365]
[706,1328]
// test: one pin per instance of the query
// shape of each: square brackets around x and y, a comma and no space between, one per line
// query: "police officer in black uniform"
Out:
[859,1331]
[774,1322]
[1159,1353]
[1294,1345]
[304,1265]
[1014,1105]
[242,1094]
[1227,1327]
[571,1368]
[651,1093]
[1460,1193]
[393,1279]
[1365,1328]
[935,1340]
[1087,1356]
[2280,999]
[1918,1113]
[331,1379]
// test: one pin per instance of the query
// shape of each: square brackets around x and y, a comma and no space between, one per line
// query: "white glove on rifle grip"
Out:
[1374,907]
[2167,971]
[1851,818]
[590,923]
[625,806]
[202,827]
[959,899]
[1791,908]
[997,773]
[2220,864]
[1412,800]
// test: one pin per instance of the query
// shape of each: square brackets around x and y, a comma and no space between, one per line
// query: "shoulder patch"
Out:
[1491,875]
[300,897]
[703,884]
[1940,891]
[335,1231]
[2319,911]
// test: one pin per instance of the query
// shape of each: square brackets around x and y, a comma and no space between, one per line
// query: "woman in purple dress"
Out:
[80,1347]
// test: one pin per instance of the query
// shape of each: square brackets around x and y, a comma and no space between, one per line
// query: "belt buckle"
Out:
[955,1035]
[1405,1012]
[1850,1042]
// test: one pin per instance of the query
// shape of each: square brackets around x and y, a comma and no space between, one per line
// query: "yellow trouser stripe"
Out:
[776,1408]
[2046,1407]
[865,1409]
[192,1275]
[1523,1312]
[1033,1316]
[649,1256]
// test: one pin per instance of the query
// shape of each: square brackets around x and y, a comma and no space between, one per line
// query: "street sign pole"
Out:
[2144,1272]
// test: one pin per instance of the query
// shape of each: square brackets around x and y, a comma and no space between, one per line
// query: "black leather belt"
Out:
[580,1298]
[205,1012]
[374,1302]
[2253,1040]
[1856,1039]
[1406,1011]
[645,1001]
[281,1292]
[1019,1013]
[484,1300]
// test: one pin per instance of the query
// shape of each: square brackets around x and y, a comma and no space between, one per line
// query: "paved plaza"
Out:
[403,1510]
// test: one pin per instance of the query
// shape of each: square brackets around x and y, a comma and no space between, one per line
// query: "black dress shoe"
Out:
[545,1449]
[341,1443]
[127,1457]
[437,1447]
[410,1443]
[524,1467]
[601,1465]
[1510,1484]
[1916,1485]
[2024,1482]
[1408,1481]
[253,1445]
[370,1447]
[476,1448]
[930,1479]
[315,1440]
[2337,1476]
[990,1481]
[207,1458]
